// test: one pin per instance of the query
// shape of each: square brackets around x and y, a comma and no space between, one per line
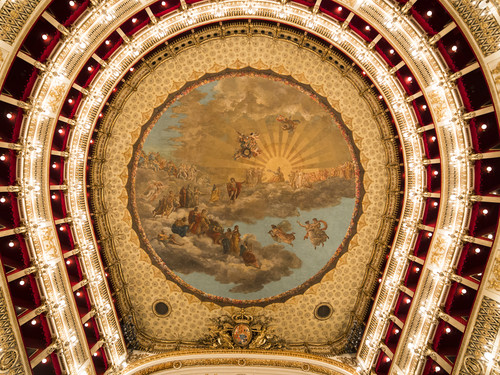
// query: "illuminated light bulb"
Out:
[45,359]
[391,51]
[107,42]
[86,324]
[339,9]
[78,294]
[429,234]
[131,69]
[90,68]
[407,300]
[477,250]
[380,280]
[100,115]
[163,3]
[2,200]
[489,169]
[11,244]
[380,97]
[484,126]
[95,354]
[61,229]
[33,322]
[60,131]
[45,37]
[424,107]
[367,28]
[91,141]
[463,291]
[437,368]
[68,262]
[70,100]
[447,330]
[435,173]
[54,165]
[134,20]
[485,211]
[480,274]
[53,196]
[429,13]
[396,331]
[435,204]
[417,269]
[9,115]
[454,48]
[22,282]
[490,236]
[363,72]
[71,3]
[387,359]
[2,158]
[409,79]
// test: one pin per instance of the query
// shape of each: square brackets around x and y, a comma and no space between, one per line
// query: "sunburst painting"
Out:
[245,187]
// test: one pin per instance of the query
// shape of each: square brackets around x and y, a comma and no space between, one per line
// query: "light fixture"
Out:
[437,368]
[409,79]
[367,28]
[396,331]
[2,200]
[134,20]
[387,359]
[489,169]
[2,157]
[380,97]
[407,300]
[484,126]
[78,294]
[71,3]
[68,262]
[447,330]
[339,9]
[417,269]
[429,13]
[61,228]
[463,291]
[435,173]
[33,322]
[44,360]
[22,282]
[435,204]
[485,212]
[11,244]
[45,37]
[60,131]
[477,250]
[454,48]
[9,115]
[391,51]
[70,100]
[163,3]
[54,165]
[429,234]
[107,42]
[90,68]
[433,138]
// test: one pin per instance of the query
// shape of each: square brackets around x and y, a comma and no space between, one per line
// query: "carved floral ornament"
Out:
[196,14]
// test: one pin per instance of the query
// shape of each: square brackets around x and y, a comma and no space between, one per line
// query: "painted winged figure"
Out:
[278,232]
[248,146]
[287,124]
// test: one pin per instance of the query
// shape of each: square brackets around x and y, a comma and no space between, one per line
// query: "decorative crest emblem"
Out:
[241,331]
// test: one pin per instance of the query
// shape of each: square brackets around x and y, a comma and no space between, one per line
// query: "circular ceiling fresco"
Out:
[245,187]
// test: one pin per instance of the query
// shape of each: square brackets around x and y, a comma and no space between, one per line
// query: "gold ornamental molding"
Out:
[479,16]
[241,359]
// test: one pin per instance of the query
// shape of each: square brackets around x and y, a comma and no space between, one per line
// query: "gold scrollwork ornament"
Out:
[8,359]
[473,366]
